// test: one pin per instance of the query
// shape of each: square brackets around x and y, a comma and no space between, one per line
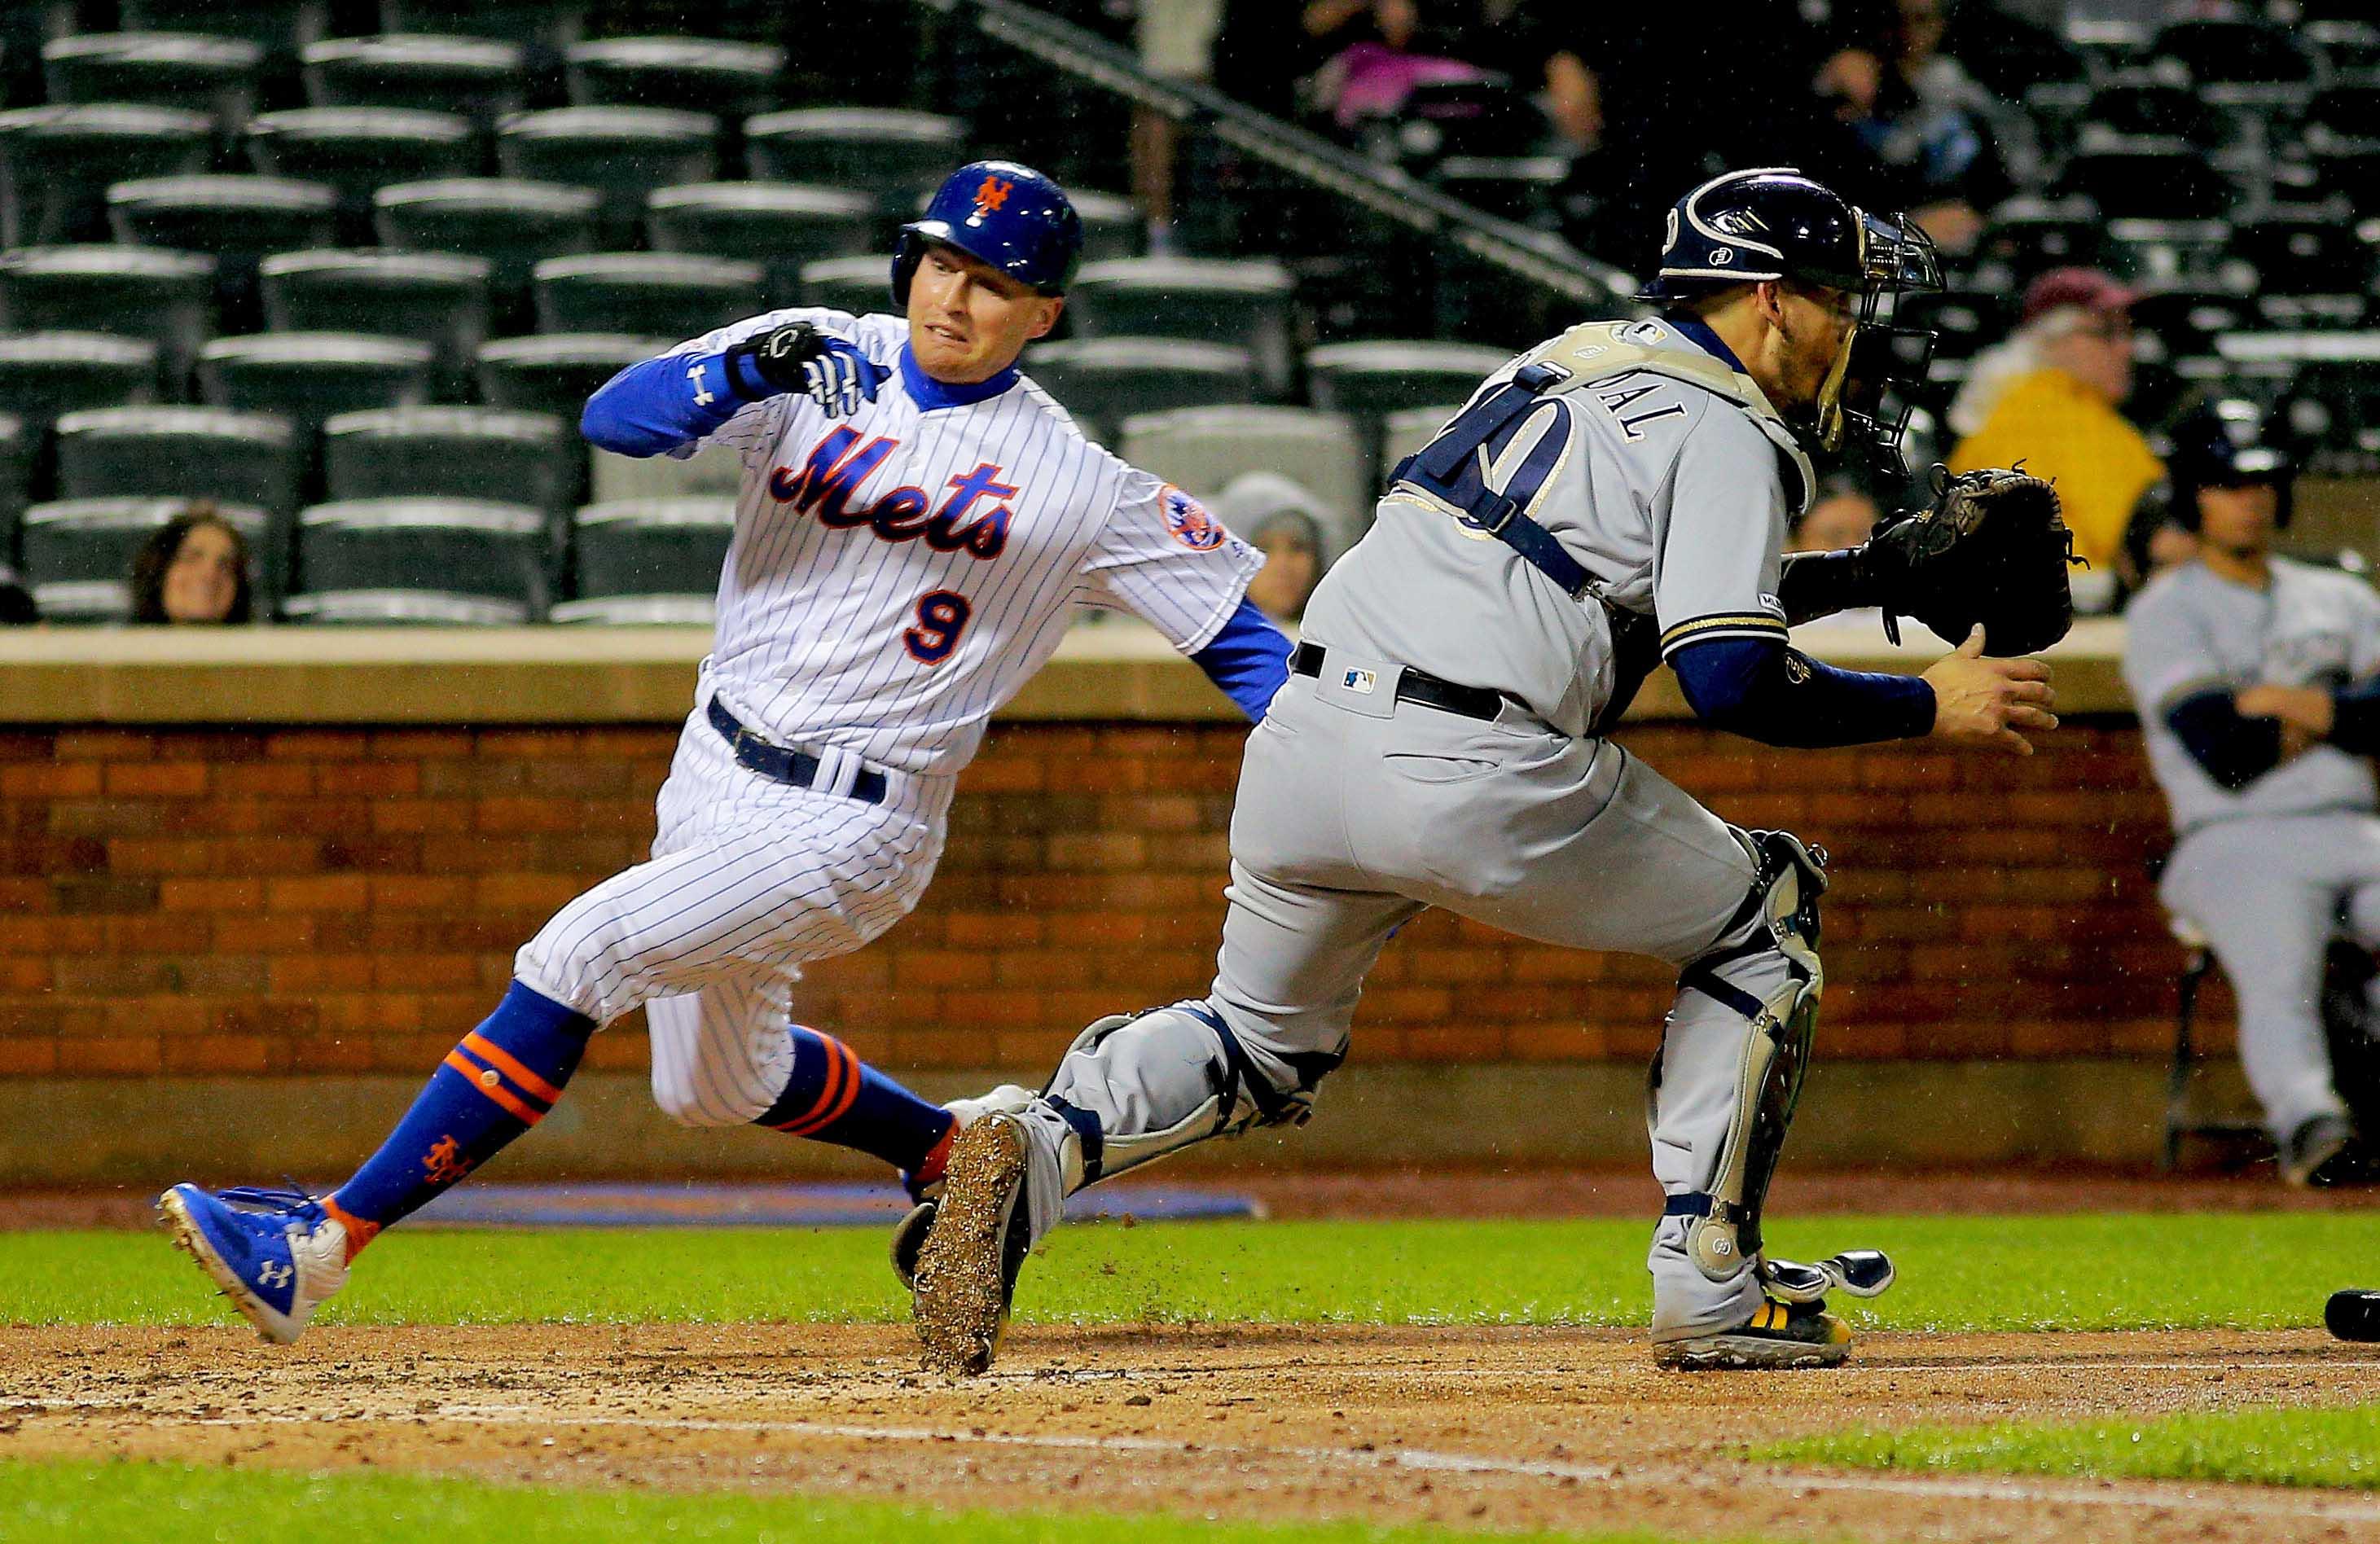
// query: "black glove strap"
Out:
[776,357]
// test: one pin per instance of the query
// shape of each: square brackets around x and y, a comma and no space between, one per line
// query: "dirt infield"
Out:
[1491,1430]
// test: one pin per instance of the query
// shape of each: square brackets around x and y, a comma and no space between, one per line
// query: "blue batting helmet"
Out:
[1002,213]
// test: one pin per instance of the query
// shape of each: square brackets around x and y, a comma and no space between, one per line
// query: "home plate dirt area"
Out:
[1486,1429]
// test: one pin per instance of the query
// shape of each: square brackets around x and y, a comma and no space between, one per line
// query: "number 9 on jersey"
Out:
[942,616]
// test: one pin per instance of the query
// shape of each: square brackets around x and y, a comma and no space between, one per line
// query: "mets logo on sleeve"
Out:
[1189,522]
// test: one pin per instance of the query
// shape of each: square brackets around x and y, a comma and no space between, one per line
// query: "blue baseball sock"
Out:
[834,1096]
[497,1084]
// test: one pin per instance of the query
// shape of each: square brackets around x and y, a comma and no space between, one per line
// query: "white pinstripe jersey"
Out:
[899,574]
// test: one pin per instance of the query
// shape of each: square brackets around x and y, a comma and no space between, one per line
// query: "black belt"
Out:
[1416,685]
[796,768]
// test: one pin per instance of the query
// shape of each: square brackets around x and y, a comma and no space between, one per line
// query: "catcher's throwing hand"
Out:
[800,358]
[1988,700]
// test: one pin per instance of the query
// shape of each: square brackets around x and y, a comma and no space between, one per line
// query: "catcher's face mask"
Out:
[1895,258]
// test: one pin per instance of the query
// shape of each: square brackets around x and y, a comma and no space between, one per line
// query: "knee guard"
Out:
[1135,1087]
[1783,913]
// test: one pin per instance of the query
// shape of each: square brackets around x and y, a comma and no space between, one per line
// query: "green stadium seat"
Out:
[237,218]
[479,549]
[484,79]
[535,458]
[250,460]
[1200,450]
[1113,227]
[734,79]
[862,286]
[439,299]
[78,552]
[1406,431]
[1370,380]
[638,611]
[141,292]
[556,373]
[59,162]
[1246,304]
[1102,382]
[43,375]
[359,151]
[403,608]
[656,294]
[16,480]
[278,26]
[515,225]
[314,376]
[165,69]
[549,27]
[653,547]
[780,226]
[898,157]
[622,152]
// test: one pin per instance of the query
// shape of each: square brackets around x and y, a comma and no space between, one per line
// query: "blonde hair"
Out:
[2002,365]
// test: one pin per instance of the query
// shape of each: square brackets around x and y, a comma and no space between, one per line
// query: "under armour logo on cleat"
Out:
[266,1274]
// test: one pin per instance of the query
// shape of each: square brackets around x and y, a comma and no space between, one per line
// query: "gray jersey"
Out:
[2191,630]
[1673,495]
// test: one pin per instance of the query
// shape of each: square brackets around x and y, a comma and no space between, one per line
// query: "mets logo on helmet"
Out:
[992,194]
[1189,521]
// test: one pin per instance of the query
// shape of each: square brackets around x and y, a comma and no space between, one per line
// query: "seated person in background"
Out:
[2257,680]
[2156,539]
[195,569]
[2046,399]
[1843,514]
[1294,530]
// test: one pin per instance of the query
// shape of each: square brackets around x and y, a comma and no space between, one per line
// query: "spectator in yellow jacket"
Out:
[2047,397]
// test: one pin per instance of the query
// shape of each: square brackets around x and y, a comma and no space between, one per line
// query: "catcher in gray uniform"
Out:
[1613,497]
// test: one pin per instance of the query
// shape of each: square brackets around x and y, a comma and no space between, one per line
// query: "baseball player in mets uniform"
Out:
[917,522]
[1612,498]
[2258,684]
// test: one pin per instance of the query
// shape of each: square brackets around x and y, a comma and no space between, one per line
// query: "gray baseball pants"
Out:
[1355,813]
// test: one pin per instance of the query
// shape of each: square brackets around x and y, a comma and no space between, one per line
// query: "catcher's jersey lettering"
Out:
[1621,402]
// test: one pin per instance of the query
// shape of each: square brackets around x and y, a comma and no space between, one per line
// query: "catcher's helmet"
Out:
[2227,448]
[1773,223]
[999,212]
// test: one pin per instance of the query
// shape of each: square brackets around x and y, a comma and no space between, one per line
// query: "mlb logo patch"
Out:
[1190,523]
[1358,681]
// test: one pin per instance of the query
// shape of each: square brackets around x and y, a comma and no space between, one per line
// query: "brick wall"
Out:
[347,901]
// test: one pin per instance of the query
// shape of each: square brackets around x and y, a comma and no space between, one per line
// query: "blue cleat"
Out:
[277,1254]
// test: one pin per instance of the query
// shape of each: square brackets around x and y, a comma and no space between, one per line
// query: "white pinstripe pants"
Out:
[747,880]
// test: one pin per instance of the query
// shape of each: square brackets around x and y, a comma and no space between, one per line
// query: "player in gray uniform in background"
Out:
[1616,496]
[2257,680]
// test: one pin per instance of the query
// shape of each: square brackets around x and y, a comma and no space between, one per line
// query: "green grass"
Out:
[2335,1448]
[168,1503]
[2072,1272]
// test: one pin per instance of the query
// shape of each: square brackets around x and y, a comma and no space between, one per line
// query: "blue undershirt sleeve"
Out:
[2355,722]
[1248,658]
[655,406]
[2234,751]
[1767,692]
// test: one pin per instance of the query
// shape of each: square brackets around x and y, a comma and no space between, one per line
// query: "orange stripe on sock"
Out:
[505,1062]
[360,1233]
[841,1093]
[930,1167]
[485,1082]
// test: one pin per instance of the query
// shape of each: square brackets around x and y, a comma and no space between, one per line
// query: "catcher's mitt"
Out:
[1993,549]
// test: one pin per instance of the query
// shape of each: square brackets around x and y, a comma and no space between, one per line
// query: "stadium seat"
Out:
[1406,431]
[2188,319]
[861,285]
[439,299]
[1522,188]
[2347,109]
[2147,177]
[639,611]
[2348,46]
[2306,251]
[671,295]
[2171,252]
[732,78]
[452,453]
[1964,322]
[2148,102]
[188,453]
[403,608]
[280,27]
[1202,449]
[166,69]
[59,162]
[43,375]
[1114,226]
[482,548]
[653,547]
[2107,45]
[513,225]
[139,292]
[558,373]
[1244,304]
[16,480]
[780,226]
[480,77]
[2348,171]
[313,376]
[550,27]
[237,218]
[1102,382]
[2233,52]
[359,151]
[2028,235]
[898,157]
[78,552]
[1373,380]
[622,152]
